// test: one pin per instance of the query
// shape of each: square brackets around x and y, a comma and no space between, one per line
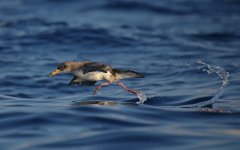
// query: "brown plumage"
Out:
[88,73]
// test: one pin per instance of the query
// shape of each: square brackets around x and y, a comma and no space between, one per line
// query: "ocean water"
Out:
[188,50]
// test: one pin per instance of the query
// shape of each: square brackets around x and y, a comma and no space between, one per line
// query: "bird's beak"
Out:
[55,72]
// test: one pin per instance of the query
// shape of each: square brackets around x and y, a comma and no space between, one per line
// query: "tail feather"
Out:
[121,74]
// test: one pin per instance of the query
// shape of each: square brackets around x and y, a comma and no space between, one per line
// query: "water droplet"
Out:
[223,75]
[142,98]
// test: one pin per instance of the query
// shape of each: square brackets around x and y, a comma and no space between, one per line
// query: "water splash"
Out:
[142,98]
[210,69]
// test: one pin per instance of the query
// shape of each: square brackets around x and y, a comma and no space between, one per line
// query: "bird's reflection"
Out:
[100,103]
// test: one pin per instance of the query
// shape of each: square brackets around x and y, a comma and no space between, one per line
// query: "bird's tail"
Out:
[122,74]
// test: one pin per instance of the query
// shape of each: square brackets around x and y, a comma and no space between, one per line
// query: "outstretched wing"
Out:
[95,66]
[77,80]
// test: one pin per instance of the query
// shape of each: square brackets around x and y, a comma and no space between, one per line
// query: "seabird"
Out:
[88,73]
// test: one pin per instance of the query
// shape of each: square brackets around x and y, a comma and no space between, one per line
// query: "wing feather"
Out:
[77,80]
[96,67]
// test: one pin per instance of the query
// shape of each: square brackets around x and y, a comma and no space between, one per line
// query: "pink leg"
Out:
[127,89]
[99,87]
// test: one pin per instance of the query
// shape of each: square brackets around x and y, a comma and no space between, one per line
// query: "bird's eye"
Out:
[62,67]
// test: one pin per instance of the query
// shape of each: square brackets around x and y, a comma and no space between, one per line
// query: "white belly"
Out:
[93,76]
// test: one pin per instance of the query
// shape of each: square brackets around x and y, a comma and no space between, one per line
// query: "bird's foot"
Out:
[96,90]
[94,93]
[99,87]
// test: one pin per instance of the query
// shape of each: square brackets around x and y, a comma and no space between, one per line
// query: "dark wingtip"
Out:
[140,75]
[137,75]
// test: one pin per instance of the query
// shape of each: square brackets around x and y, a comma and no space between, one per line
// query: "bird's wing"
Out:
[77,80]
[95,66]
[89,83]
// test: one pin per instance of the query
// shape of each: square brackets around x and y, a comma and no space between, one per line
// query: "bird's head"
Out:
[65,67]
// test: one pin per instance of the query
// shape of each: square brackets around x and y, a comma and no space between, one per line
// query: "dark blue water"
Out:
[187,49]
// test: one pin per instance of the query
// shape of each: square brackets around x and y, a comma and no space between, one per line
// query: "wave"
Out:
[206,102]
[141,6]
